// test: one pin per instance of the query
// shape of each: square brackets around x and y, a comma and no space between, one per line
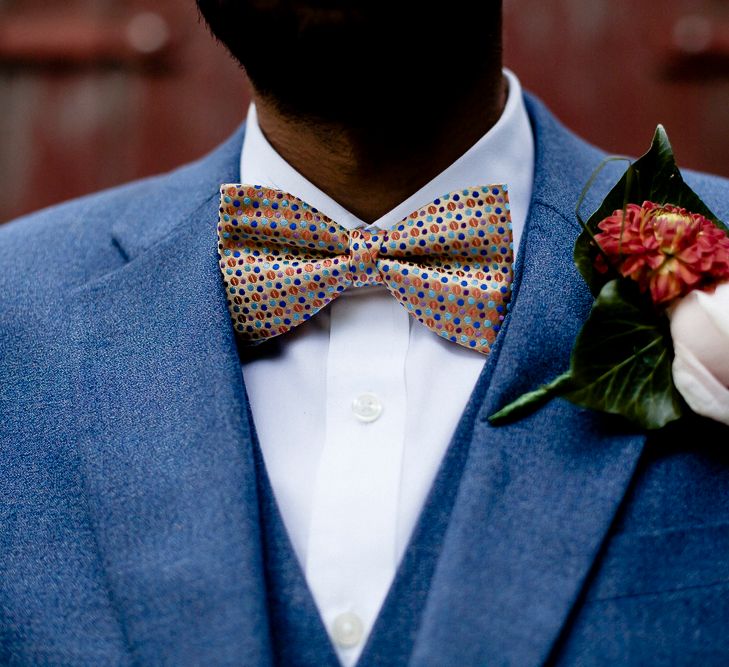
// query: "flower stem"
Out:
[583,194]
[532,400]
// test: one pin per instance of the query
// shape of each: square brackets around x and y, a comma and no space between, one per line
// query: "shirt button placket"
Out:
[350,560]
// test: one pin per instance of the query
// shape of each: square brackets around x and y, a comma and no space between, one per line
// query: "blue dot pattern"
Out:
[449,263]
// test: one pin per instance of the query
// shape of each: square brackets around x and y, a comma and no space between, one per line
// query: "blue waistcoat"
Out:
[298,636]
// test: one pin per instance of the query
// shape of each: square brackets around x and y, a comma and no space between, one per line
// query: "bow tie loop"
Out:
[364,248]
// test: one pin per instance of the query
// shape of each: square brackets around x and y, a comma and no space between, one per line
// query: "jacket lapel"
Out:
[537,497]
[164,432]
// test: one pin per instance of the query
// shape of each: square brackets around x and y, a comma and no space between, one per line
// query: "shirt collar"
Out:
[505,154]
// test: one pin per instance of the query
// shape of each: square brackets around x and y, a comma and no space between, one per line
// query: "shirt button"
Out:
[367,407]
[347,630]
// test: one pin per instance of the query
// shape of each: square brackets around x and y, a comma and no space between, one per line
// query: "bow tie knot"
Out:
[448,263]
[364,249]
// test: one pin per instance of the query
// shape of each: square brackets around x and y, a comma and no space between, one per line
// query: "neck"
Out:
[371,168]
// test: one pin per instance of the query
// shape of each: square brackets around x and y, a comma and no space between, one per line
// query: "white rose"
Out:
[700,332]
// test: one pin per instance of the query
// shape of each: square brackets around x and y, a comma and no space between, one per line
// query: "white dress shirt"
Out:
[355,408]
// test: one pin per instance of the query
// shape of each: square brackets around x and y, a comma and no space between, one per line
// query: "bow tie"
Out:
[449,263]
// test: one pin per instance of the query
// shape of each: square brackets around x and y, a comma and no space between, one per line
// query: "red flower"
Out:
[665,249]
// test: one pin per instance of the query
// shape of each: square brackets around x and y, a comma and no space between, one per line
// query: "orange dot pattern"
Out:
[449,263]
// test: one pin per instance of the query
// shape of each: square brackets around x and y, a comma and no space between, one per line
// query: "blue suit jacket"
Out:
[129,529]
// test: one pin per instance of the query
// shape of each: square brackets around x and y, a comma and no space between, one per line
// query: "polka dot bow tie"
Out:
[449,263]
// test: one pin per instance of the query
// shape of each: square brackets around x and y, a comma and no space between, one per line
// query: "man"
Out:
[174,492]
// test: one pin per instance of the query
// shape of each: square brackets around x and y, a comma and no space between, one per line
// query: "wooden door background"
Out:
[98,92]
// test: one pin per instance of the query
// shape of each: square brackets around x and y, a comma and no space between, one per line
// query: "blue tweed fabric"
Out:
[130,525]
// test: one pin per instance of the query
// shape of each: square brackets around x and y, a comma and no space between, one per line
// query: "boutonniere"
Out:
[654,257]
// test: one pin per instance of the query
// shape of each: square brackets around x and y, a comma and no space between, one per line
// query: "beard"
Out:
[349,63]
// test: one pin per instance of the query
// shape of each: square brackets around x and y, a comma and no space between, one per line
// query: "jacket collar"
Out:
[162,206]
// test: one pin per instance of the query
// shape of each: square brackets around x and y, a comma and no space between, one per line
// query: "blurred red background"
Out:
[98,92]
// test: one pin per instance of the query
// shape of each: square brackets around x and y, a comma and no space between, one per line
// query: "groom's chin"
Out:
[346,62]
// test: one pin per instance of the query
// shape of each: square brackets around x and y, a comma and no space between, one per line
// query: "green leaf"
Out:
[653,177]
[621,362]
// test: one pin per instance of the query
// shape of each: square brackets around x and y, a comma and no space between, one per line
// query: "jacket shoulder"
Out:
[66,244]
[69,244]
[566,158]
